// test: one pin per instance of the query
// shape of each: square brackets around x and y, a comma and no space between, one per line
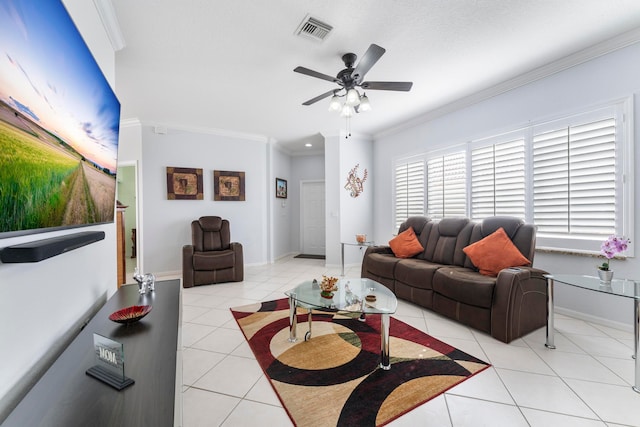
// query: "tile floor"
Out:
[586,381]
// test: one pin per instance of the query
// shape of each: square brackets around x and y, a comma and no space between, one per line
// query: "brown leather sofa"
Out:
[212,258]
[443,279]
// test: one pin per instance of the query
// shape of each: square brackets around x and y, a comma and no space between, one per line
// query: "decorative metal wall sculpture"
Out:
[354,184]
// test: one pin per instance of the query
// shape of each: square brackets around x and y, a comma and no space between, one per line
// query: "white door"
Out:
[312,217]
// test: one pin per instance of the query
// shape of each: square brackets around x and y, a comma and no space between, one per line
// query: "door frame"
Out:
[138,205]
[301,213]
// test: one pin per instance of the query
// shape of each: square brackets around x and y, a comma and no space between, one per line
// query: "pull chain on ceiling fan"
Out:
[349,80]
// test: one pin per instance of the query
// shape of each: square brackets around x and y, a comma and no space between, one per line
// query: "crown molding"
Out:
[207,130]
[110,23]
[600,49]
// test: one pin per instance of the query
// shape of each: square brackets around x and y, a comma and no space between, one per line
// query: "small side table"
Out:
[620,287]
[361,245]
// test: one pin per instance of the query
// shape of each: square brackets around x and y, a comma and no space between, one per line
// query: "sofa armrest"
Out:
[379,249]
[519,303]
[238,273]
[187,266]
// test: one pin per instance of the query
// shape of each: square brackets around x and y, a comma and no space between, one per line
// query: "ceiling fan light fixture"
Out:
[334,104]
[365,105]
[353,98]
[347,111]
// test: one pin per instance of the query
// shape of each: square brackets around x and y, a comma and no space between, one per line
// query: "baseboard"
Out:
[594,319]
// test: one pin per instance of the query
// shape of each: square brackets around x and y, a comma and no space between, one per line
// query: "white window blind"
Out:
[447,186]
[409,188]
[574,180]
[498,180]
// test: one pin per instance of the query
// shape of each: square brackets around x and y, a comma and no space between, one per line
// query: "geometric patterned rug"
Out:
[334,378]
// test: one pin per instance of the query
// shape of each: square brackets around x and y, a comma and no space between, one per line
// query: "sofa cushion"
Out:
[405,244]
[464,285]
[416,273]
[494,253]
[213,260]
[382,264]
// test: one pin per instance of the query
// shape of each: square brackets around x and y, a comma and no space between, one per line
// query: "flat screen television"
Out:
[59,124]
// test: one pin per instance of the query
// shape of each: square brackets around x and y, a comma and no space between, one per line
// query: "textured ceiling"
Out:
[228,65]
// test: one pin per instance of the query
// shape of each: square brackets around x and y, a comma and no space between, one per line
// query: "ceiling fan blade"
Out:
[398,86]
[371,56]
[319,97]
[316,74]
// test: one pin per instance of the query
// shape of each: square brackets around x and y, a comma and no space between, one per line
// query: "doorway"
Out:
[312,218]
[127,196]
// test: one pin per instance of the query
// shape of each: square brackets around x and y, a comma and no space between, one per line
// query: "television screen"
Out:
[59,123]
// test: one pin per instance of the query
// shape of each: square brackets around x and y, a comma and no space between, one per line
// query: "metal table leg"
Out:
[307,336]
[550,331]
[384,342]
[636,339]
[293,318]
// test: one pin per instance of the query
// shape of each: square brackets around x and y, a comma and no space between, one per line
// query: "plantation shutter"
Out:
[446,186]
[409,191]
[574,180]
[498,180]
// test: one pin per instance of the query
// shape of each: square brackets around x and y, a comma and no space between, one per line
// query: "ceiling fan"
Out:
[350,79]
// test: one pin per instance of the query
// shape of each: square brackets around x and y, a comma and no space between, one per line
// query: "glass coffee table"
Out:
[620,287]
[351,297]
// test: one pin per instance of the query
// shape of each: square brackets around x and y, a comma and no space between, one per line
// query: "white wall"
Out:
[281,211]
[356,212]
[45,302]
[603,79]
[346,216]
[166,223]
[303,168]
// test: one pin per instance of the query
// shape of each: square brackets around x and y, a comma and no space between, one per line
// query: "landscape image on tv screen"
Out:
[59,123]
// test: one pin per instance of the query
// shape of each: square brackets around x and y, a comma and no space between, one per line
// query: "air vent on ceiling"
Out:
[313,28]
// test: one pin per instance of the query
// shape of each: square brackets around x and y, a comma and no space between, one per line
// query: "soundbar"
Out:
[46,248]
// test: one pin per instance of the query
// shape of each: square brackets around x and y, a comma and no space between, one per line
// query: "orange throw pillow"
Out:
[405,244]
[494,253]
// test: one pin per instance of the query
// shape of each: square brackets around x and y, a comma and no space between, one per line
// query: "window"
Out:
[409,188]
[447,186]
[498,180]
[571,177]
[575,179]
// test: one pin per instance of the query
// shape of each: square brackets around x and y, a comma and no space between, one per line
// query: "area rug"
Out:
[334,378]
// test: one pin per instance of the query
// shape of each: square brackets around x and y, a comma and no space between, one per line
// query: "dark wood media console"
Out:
[66,396]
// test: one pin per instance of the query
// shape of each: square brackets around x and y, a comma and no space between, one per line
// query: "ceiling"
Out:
[228,65]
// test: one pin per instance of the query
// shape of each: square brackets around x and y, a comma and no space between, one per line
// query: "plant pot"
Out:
[605,275]
[326,294]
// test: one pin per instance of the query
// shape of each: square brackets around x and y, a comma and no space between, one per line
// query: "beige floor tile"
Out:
[544,392]
[466,412]
[234,376]
[196,363]
[249,413]
[206,409]
[538,418]
[616,404]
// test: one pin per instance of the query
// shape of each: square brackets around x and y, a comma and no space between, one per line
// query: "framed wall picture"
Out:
[184,183]
[228,186]
[281,188]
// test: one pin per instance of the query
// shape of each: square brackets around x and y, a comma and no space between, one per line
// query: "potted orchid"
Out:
[612,246]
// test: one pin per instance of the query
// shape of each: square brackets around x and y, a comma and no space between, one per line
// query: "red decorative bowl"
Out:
[130,314]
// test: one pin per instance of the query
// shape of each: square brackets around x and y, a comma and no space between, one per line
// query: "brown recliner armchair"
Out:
[212,258]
